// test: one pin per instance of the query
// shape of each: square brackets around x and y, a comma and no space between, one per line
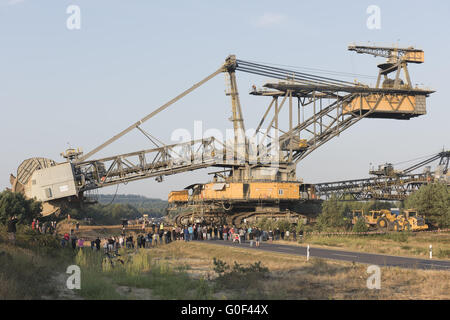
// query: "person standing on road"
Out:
[139,241]
[186,234]
[220,232]
[155,238]
[191,233]
[174,234]
[242,235]
[224,233]
[257,236]
[81,243]
[74,241]
[97,243]
[12,230]
[209,233]
[204,231]
[149,240]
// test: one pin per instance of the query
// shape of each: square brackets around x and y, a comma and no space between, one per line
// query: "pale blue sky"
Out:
[83,86]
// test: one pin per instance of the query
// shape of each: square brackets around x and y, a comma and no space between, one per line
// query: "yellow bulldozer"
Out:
[392,220]
[410,220]
[379,219]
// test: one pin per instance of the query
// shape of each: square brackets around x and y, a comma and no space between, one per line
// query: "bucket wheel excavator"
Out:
[255,174]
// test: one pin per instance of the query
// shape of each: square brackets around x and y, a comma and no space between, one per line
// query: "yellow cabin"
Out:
[388,105]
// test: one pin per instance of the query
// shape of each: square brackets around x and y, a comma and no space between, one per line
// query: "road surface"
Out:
[351,256]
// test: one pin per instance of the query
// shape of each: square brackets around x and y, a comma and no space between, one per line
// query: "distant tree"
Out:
[433,202]
[300,226]
[333,215]
[284,225]
[12,203]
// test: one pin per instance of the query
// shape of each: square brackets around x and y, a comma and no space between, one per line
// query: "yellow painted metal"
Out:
[179,196]
[414,57]
[241,191]
[386,103]
[357,214]
[219,191]
[410,219]
[274,190]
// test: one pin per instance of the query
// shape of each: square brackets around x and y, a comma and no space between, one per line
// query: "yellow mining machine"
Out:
[391,220]
[256,174]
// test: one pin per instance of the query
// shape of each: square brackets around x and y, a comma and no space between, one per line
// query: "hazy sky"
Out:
[62,87]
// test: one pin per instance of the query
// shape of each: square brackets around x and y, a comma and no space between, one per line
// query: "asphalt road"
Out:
[351,256]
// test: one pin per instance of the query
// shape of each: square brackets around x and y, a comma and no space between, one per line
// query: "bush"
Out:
[332,216]
[284,225]
[221,268]
[360,226]
[239,276]
[12,203]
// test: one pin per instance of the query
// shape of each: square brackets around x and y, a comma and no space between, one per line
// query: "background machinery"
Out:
[394,219]
[388,183]
[256,175]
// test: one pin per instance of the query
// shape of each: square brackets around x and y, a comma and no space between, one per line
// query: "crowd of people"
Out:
[158,234]
[232,233]
[46,227]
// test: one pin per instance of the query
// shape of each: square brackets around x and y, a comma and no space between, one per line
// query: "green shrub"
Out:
[220,267]
[360,226]
[12,203]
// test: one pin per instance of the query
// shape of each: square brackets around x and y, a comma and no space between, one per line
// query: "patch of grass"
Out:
[398,236]
[246,280]
[138,271]
[443,253]
[166,283]
[95,286]
[27,268]
[292,277]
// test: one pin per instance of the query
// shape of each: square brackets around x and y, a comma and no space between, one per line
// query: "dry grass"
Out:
[413,245]
[291,277]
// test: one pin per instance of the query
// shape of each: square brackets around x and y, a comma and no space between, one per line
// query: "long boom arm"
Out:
[229,63]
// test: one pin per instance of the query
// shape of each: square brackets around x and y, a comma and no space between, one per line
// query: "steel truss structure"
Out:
[392,186]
